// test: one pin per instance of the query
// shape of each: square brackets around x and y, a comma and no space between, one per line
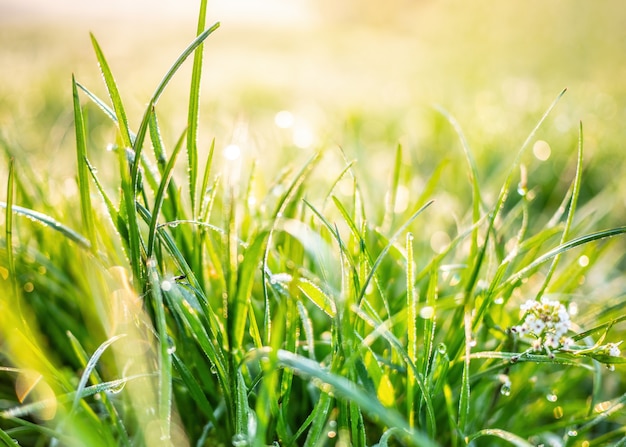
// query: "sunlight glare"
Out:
[541,150]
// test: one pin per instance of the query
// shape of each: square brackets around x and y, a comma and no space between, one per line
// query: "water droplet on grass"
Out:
[552,397]
[240,440]
[505,389]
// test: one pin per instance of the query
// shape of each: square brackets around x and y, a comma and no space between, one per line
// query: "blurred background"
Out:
[356,75]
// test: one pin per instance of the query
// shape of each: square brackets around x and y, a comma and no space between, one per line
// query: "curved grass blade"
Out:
[193,113]
[570,214]
[346,389]
[519,275]
[50,223]
[160,196]
[384,251]
[473,276]
[90,367]
[143,126]
[86,209]
[8,220]
[502,434]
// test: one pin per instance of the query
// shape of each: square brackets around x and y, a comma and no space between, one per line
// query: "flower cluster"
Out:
[547,322]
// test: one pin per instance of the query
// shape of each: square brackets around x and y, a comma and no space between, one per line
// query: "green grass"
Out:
[209,300]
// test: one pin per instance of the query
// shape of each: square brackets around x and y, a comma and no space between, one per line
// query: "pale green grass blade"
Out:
[112,210]
[501,434]
[479,258]
[8,440]
[143,126]
[473,175]
[160,197]
[412,303]
[530,268]
[193,112]
[114,95]
[127,182]
[345,389]
[108,111]
[8,231]
[49,222]
[392,192]
[93,361]
[86,208]
[116,419]
[570,213]
[385,250]
[245,282]
[205,197]
[165,359]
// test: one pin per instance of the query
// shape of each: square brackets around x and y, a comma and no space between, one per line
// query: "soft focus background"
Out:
[360,76]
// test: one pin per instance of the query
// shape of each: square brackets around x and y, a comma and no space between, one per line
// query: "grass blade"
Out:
[193,113]
[86,209]
[165,359]
[48,222]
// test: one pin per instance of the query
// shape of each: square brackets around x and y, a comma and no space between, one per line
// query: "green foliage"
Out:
[184,312]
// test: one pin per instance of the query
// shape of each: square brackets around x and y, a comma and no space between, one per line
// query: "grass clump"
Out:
[223,310]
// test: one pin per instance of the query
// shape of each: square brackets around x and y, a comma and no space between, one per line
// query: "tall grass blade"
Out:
[86,209]
[193,113]
[165,359]
[570,214]
[93,361]
[8,221]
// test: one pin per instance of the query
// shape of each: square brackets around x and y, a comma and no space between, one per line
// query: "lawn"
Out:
[354,227]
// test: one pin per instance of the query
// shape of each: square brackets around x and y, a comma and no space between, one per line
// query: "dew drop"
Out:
[116,388]
[552,397]
[166,286]
[572,433]
[441,349]
[505,389]
[427,312]
[213,369]
[240,440]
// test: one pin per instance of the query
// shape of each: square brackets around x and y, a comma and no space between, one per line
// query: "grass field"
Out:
[368,227]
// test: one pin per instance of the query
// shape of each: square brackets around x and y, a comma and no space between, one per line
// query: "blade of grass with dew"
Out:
[302,175]
[86,208]
[93,361]
[411,322]
[173,210]
[48,222]
[473,177]
[160,196]
[570,214]
[8,221]
[501,434]
[205,201]
[114,415]
[143,126]
[165,359]
[114,94]
[245,282]
[127,185]
[345,389]
[480,254]
[193,112]
[386,249]
[530,268]
[381,329]
[392,192]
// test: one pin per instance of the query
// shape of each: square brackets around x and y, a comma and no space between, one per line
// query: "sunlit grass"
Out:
[308,285]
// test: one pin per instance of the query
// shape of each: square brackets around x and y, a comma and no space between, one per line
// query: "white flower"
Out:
[567,343]
[536,326]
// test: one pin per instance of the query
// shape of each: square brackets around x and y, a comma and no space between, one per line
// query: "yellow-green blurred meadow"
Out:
[351,265]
